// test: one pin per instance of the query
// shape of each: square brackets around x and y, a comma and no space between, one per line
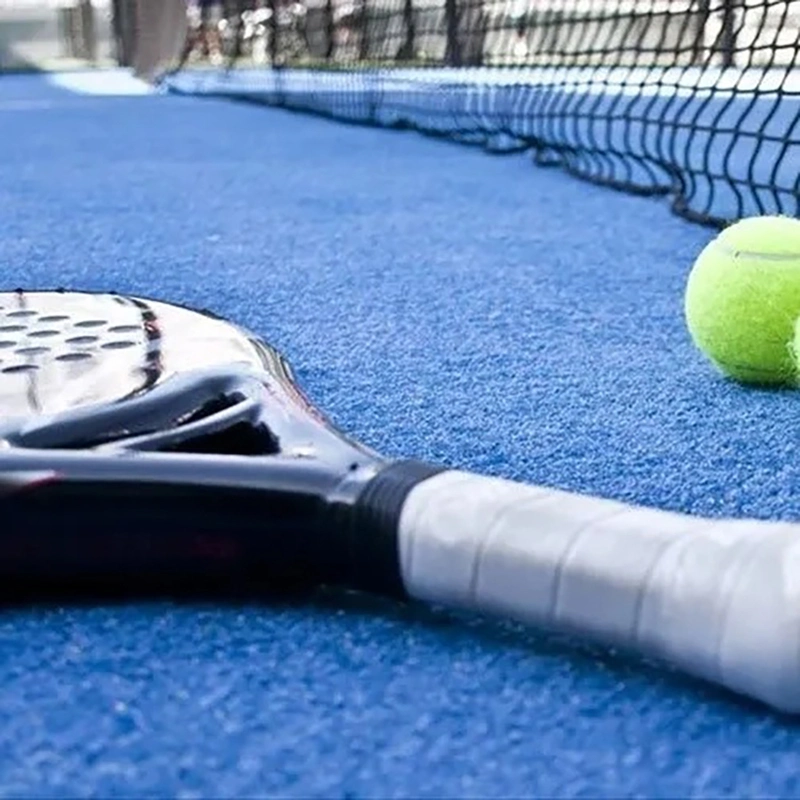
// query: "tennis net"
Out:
[697,100]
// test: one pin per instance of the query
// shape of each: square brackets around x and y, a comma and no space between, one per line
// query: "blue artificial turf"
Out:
[439,303]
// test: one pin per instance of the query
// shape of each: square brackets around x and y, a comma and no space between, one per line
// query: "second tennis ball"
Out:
[743,300]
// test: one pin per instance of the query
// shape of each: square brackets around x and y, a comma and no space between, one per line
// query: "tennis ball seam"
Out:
[735,252]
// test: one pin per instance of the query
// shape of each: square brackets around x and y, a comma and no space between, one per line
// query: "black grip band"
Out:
[374,556]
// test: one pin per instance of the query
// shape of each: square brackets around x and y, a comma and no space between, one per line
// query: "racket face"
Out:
[87,370]
[60,351]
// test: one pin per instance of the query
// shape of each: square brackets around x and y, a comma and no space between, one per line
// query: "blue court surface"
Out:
[437,303]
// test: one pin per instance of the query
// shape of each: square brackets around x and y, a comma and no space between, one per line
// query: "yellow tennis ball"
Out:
[743,299]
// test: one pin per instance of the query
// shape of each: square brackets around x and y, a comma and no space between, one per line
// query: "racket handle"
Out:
[719,599]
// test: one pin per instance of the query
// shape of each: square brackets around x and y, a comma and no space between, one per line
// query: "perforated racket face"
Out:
[81,370]
[64,350]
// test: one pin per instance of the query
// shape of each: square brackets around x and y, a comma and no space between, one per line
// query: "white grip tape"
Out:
[719,599]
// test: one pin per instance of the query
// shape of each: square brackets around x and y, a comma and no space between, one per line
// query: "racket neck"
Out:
[369,525]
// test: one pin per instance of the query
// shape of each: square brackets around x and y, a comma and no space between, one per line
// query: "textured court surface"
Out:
[437,302]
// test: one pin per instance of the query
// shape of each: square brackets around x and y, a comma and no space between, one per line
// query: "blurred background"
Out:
[52,34]
[65,34]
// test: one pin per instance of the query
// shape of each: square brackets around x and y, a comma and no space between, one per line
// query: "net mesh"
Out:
[697,100]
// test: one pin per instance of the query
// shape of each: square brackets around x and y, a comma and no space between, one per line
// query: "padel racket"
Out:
[141,439]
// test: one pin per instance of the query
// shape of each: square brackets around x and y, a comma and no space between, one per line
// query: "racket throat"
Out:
[371,530]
